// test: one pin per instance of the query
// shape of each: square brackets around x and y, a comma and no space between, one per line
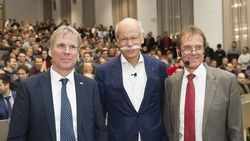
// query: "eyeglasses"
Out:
[190,49]
[125,40]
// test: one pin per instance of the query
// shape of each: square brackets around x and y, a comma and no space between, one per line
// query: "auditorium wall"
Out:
[28,10]
[208,16]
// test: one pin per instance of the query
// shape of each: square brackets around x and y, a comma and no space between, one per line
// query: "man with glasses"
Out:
[201,103]
[132,88]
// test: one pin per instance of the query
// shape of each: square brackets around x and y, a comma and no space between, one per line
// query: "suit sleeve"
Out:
[19,122]
[99,78]
[234,122]
[100,131]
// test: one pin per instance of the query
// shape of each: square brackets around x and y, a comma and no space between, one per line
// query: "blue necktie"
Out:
[8,104]
[67,132]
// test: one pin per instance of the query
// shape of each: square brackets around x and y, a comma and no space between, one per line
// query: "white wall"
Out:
[208,17]
[24,10]
[103,12]
[147,14]
[76,12]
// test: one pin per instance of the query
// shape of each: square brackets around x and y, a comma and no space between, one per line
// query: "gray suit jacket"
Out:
[222,117]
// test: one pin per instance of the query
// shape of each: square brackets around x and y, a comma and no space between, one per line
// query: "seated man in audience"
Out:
[39,66]
[22,72]
[6,97]
[243,84]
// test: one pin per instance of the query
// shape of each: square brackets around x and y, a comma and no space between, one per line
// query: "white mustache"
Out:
[126,48]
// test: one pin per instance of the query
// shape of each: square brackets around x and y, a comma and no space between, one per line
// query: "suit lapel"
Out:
[3,103]
[116,71]
[175,99]
[150,69]
[211,84]
[79,84]
[45,83]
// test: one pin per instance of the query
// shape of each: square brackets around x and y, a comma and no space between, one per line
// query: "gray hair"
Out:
[62,30]
[141,30]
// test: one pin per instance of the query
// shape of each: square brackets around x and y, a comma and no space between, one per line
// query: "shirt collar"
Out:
[56,76]
[10,95]
[199,72]
[125,61]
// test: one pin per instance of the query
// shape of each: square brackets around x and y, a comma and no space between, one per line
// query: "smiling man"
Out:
[58,105]
[201,103]
[132,87]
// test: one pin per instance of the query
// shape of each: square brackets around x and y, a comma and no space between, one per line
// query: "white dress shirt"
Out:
[200,85]
[56,94]
[134,81]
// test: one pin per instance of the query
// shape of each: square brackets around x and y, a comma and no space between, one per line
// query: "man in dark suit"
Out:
[39,110]
[205,107]
[132,87]
[7,96]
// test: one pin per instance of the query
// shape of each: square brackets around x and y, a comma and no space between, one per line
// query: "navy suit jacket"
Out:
[33,113]
[3,107]
[124,122]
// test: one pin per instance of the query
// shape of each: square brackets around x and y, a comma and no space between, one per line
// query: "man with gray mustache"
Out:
[132,87]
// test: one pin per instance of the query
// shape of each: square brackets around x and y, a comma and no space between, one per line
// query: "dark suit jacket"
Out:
[124,122]
[222,118]
[3,107]
[33,113]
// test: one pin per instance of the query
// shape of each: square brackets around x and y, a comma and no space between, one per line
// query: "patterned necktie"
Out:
[67,132]
[8,104]
[189,119]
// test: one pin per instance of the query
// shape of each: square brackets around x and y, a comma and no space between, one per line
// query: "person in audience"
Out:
[170,58]
[213,63]
[166,42]
[209,53]
[237,69]
[243,84]
[22,72]
[230,67]
[224,63]
[150,41]
[21,59]
[201,102]
[244,58]
[219,54]
[131,87]
[39,66]
[178,66]
[247,72]
[87,58]
[7,97]
[76,113]
[10,65]
[46,58]
[234,61]
[233,52]
[88,70]
[29,55]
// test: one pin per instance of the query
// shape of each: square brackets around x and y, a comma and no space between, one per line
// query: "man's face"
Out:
[64,53]
[21,74]
[192,50]
[38,63]
[3,87]
[87,57]
[129,37]
[21,57]
[12,63]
